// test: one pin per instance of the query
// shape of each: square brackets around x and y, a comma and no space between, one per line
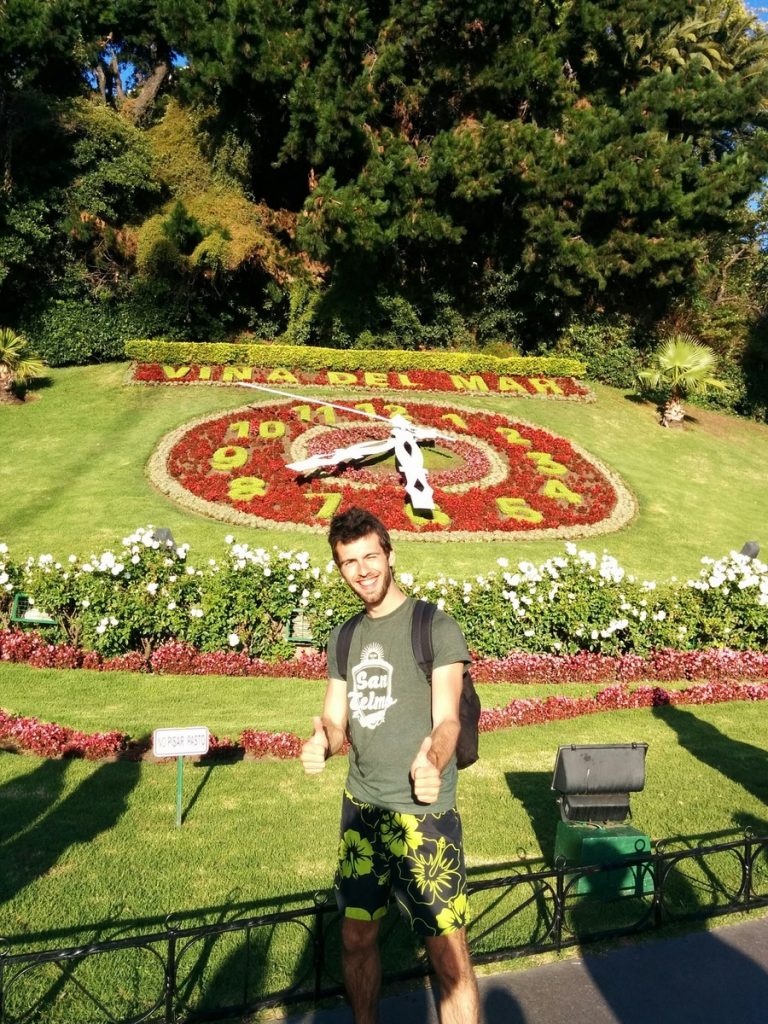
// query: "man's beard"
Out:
[373,597]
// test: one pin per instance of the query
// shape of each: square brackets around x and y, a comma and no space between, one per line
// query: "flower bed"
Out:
[502,477]
[513,385]
[46,739]
[716,665]
[122,609]
[50,740]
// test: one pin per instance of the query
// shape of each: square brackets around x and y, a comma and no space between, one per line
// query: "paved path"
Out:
[714,977]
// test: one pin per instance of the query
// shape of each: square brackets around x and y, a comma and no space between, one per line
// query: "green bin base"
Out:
[580,845]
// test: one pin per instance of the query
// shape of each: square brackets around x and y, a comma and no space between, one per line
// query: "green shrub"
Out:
[78,331]
[500,320]
[147,593]
[727,605]
[570,603]
[132,599]
[10,582]
[315,358]
[608,347]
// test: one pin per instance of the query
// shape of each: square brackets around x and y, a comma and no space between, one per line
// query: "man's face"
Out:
[367,569]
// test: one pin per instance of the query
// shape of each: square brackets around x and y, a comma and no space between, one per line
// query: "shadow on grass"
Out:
[742,763]
[534,791]
[24,799]
[38,845]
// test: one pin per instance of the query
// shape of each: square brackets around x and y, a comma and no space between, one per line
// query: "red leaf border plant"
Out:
[731,676]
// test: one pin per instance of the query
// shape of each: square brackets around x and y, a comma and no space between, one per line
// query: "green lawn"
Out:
[91,850]
[72,476]
[261,831]
[137,704]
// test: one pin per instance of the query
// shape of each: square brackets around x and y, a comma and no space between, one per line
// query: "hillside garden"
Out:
[235,239]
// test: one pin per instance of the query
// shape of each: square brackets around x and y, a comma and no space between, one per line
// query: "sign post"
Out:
[180,743]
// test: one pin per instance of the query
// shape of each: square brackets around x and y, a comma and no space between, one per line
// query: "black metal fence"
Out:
[228,968]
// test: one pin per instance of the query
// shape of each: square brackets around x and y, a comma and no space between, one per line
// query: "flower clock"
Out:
[429,469]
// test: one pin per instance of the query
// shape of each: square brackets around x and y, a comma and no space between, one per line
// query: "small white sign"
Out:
[180,742]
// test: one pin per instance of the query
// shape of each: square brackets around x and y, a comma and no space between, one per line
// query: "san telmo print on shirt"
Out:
[371,695]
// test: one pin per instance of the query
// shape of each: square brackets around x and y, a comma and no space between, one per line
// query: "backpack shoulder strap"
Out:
[421,636]
[344,640]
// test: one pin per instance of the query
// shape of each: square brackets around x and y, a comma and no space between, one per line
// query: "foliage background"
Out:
[583,176]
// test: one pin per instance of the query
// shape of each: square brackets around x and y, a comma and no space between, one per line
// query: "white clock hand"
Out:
[410,459]
[335,458]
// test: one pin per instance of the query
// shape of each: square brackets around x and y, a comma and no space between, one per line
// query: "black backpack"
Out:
[421,641]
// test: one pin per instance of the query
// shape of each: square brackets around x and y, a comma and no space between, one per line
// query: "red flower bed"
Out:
[46,739]
[729,675]
[270,744]
[615,698]
[414,381]
[502,476]
[715,665]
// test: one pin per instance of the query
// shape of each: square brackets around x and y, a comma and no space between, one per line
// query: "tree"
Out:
[583,153]
[682,365]
[74,173]
[444,173]
[17,364]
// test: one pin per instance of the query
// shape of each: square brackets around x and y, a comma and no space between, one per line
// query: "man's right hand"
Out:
[315,750]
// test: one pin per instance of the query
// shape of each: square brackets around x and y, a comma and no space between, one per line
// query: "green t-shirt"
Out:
[390,707]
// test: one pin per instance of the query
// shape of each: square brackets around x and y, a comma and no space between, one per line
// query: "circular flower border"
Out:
[271,463]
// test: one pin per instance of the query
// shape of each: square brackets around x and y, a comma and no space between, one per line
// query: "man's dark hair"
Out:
[353,524]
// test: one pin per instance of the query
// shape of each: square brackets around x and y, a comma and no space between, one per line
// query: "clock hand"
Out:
[417,432]
[410,459]
[339,455]
[404,438]
[423,433]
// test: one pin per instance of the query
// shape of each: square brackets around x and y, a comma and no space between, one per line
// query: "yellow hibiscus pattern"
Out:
[400,833]
[415,859]
[454,916]
[435,875]
[355,855]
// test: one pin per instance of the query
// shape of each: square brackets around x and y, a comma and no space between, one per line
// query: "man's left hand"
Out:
[425,775]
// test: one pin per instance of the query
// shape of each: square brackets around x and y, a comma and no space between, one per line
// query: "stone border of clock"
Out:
[224,458]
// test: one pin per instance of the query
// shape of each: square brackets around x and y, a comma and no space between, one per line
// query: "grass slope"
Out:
[72,476]
[93,848]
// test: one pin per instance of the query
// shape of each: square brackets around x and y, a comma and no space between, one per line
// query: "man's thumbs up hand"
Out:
[315,750]
[425,775]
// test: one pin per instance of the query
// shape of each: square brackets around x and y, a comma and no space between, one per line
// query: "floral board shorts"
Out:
[418,859]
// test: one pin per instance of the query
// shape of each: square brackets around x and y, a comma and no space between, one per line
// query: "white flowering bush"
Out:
[573,602]
[10,577]
[727,604]
[249,600]
[113,602]
[148,593]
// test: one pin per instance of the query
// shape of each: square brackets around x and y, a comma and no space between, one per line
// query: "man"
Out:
[400,833]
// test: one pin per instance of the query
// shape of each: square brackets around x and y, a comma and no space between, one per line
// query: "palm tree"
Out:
[17,364]
[682,365]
